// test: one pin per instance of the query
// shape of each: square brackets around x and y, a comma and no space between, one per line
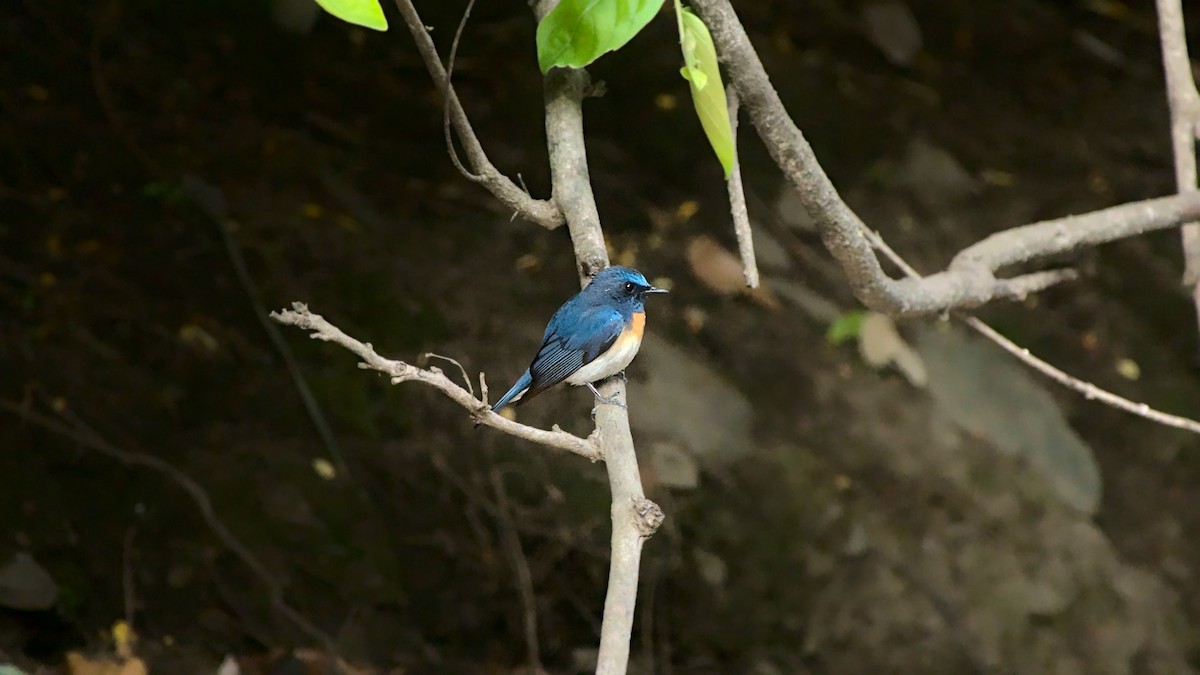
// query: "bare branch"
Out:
[1089,390]
[970,282]
[564,93]
[520,565]
[77,430]
[634,518]
[737,199]
[1062,235]
[544,213]
[1185,116]
[565,90]
[446,99]
[399,371]
[211,200]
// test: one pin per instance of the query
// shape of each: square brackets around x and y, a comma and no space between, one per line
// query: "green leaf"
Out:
[365,13]
[845,327]
[577,32]
[708,91]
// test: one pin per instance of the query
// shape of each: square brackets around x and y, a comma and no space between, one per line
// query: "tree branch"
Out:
[544,213]
[399,371]
[634,518]
[75,429]
[972,280]
[1062,235]
[1089,390]
[737,199]
[1184,103]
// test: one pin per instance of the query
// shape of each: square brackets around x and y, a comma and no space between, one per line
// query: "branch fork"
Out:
[398,371]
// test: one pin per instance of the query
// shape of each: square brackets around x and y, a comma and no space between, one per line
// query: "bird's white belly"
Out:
[611,362]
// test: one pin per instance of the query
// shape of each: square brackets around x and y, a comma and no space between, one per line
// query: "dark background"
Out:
[844,521]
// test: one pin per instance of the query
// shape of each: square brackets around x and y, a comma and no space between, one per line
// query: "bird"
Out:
[593,336]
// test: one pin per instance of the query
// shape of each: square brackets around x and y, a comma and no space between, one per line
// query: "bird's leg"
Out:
[610,400]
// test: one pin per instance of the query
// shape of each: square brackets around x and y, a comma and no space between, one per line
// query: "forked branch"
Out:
[542,212]
[634,518]
[399,371]
[972,279]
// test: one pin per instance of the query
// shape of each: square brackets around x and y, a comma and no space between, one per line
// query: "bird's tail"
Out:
[515,393]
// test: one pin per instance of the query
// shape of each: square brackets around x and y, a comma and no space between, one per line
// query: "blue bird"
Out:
[594,335]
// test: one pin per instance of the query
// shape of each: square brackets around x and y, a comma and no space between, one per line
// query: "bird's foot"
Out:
[615,399]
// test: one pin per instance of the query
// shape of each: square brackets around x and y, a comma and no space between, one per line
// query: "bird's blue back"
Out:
[582,329]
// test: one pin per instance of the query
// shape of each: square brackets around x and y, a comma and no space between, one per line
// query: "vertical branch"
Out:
[737,198]
[1185,114]
[634,518]
[570,180]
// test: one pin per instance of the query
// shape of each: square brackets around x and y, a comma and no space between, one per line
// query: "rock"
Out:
[673,467]
[986,393]
[892,28]
[25,585]
[711,567]
[934,175]
[682,399]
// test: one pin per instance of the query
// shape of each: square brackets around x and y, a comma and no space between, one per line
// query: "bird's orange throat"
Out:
[637,325]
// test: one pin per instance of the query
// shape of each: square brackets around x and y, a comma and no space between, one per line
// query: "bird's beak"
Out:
[652,289]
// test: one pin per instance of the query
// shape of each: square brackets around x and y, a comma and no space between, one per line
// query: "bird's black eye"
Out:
[629,286]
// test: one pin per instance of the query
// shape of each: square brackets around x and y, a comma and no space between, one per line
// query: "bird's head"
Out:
[621,285]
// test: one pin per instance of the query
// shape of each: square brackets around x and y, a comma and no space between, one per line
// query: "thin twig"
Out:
[544,213]
[466,378]
[212,203]
[737,199]
[104,24]
[462,24]
[520,564]
[210,200]
[1184,103]
[1089,390]
[86,436]
[320,329]
[127,579]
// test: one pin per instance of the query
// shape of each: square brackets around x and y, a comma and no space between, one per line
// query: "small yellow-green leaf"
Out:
[577,32]
[365,13]
[845,327]
[708,91]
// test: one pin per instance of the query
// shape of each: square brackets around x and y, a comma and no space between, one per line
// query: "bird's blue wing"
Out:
[573,339]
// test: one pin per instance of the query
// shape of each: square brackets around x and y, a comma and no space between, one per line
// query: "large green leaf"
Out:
[365,13]
[577,32]
[708,91]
